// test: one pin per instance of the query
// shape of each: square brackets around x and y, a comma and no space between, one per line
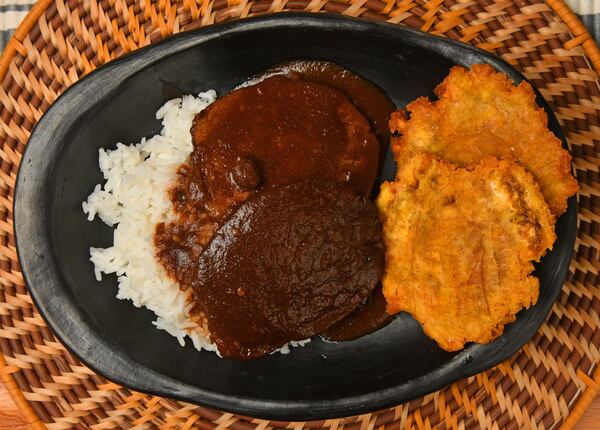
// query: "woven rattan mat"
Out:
[547,384]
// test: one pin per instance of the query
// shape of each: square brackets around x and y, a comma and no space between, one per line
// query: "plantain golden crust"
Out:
[481,113]
[460,244]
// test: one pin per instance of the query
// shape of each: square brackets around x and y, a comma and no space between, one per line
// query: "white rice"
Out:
[134,198]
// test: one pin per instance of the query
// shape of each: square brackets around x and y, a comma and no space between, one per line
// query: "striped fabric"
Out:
[13,11]
[589,12]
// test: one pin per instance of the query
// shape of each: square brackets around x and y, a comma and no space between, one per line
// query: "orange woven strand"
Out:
[582,36]
[547,384]
[17,395]
[593,388]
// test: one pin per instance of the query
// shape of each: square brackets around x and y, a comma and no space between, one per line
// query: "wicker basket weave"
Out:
[548,384]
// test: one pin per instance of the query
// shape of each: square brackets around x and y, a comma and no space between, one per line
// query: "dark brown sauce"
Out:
[289,263]
[366,319]
[368,98]
[377,107]
[276,132]
[284,130]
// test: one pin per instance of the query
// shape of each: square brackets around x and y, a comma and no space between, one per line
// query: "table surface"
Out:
[11,418]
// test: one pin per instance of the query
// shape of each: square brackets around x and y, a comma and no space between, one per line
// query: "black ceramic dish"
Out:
[117,103]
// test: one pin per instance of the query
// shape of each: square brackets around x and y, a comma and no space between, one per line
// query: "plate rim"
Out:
[86,348]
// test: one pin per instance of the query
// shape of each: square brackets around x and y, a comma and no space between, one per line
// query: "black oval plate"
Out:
[117,103]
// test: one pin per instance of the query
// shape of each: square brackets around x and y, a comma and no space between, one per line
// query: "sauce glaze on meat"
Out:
[279,131]
[298,125]
[370,100]
[289,263]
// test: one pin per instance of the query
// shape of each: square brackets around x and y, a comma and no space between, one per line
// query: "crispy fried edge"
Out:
[418,165]
[399,120]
